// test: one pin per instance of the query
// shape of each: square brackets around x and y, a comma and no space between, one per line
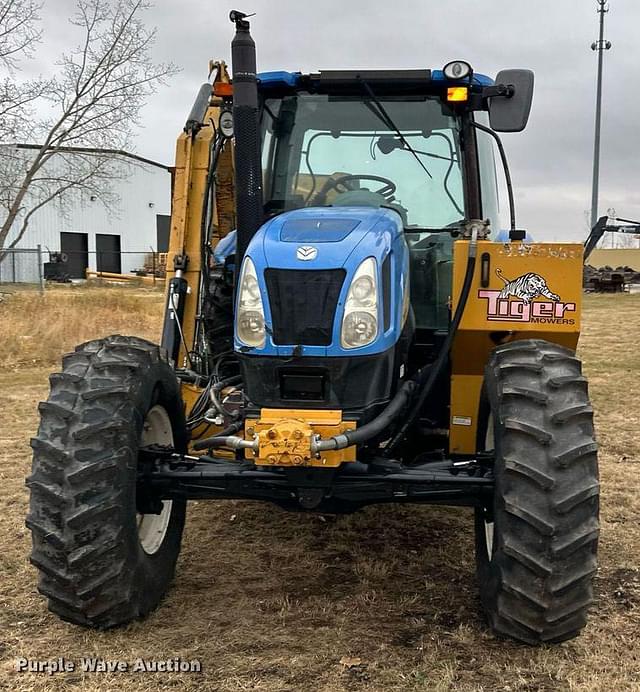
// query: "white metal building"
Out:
[112,239]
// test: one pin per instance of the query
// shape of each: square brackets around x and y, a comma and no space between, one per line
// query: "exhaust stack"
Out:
[248,167]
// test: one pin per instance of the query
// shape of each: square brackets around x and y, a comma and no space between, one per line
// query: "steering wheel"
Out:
[341,184]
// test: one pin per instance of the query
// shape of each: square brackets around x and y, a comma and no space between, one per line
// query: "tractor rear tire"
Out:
[536,544]
[101,563]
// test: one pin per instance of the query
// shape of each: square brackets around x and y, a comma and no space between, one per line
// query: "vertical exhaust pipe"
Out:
[248,166]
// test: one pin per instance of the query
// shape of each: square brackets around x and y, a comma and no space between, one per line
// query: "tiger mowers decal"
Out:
[527,287]
[516,301]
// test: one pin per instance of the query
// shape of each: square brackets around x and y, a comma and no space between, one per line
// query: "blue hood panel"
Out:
[345,229]
[315,238]
[314,230]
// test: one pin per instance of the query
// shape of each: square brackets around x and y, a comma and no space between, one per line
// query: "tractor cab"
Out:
[367,176]
[375,140]
[367,139]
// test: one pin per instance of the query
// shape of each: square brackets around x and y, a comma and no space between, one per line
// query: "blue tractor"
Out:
[340,330]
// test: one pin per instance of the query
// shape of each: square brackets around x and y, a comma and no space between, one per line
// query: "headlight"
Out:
[363,290]
[360,320]
[251,288]
[250,315]
[359,329]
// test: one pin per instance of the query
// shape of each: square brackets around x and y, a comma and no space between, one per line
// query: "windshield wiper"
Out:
[388,121]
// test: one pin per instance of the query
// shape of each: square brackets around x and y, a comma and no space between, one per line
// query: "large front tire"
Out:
[101,563]
[536,544]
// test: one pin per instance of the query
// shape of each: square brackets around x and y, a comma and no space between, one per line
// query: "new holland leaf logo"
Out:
[306,253]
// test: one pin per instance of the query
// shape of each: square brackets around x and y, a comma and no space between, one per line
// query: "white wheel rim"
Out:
[488,538]
[152,528]
[489,446]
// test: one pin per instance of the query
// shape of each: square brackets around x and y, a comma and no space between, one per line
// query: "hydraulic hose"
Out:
[219,386]
[393,409]
[427,376]
[221,439]
[230,442]
[353,437]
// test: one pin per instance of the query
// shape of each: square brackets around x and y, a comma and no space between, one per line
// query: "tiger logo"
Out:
[526,287]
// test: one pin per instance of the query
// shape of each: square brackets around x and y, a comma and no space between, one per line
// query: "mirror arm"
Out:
[506,90]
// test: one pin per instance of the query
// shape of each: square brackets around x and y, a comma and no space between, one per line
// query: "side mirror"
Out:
[510,113]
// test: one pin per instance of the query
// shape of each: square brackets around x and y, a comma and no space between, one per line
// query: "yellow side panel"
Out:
[465,395]
[519,291]
[190,394]
[311,416]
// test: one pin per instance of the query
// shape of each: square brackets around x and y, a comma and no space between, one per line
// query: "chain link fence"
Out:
[18,266]
[39,266]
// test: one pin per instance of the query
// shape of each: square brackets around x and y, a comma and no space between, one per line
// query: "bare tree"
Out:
[95,98]
[19,33]
[19,30]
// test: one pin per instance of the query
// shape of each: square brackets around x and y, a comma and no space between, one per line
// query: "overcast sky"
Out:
[550,161]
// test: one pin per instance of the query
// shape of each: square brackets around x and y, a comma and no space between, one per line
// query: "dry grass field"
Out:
[270,601]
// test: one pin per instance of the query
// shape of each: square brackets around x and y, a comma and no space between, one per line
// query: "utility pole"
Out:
[600,46]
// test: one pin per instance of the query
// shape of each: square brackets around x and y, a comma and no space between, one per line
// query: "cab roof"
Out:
[282,79]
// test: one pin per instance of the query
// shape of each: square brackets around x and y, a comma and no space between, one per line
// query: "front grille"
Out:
[303,304]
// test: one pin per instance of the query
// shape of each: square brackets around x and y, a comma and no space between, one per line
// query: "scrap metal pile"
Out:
[609,280]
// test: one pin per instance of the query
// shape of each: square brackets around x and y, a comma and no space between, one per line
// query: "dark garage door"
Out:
[75,246]
[108,253]
[163,228]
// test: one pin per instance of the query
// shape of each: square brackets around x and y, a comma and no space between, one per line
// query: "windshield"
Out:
[321,150]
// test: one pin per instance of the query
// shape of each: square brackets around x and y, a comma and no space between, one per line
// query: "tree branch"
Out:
[96,98]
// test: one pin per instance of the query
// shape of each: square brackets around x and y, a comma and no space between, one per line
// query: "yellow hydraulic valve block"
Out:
[285,437]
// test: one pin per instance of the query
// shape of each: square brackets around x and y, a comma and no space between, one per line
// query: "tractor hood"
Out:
[333,232]
[305,261]
[325,237]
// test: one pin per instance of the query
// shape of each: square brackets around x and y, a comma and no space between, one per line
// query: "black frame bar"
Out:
[466,482]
